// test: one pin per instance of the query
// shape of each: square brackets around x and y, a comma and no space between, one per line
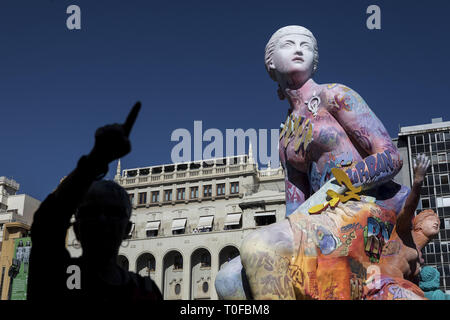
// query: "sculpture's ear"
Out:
[271,65]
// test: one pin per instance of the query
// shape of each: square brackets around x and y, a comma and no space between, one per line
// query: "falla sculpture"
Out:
[350,231]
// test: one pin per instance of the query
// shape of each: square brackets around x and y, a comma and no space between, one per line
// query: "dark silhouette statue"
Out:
[102,220]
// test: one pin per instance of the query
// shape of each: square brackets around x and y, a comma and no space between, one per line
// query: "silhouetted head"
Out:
[103,220]
[427,222]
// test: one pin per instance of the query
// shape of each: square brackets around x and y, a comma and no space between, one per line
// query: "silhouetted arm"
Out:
[49,257]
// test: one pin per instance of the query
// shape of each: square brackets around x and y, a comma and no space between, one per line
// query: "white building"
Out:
[15,207]
[190,219]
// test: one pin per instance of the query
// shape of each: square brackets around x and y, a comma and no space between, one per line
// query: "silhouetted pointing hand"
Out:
[111,141]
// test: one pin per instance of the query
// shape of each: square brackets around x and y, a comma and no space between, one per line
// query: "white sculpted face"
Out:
[430,227]
[294,53]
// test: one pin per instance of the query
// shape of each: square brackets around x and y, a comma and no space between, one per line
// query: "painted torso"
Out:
[342,132]
[330,146]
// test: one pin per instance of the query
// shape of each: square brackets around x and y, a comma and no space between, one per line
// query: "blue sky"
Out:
[195,60]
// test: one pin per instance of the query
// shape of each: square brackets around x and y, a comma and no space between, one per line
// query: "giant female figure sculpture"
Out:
[329,127]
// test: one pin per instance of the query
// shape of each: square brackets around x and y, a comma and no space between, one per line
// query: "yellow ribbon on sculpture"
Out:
[342,179]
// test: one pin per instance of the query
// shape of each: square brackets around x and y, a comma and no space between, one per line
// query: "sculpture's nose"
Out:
[298,49]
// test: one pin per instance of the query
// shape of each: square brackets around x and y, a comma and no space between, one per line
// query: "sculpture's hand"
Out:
[111,141]
[420,165]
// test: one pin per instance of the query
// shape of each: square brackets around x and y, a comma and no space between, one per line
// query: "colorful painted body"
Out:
[345,134]
[326,255]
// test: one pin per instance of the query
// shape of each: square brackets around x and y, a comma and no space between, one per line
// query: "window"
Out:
[178,262]
[151,233]
[425,203]
[207,190]
[132,198]
[155,196]
[447,223]
[420,149]
[439,137]
[221,189]
[180,194]
[205,224]
[142,197]
[152,228]
[234,187]
[168,195]
[442,158]
[445,202]
[446,270]
[178,226]
[444,179]
[151,266]
[194,192]
[233,221]
[205,261]
[419,139]
[265,218]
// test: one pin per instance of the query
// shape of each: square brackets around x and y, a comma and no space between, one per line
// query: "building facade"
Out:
[432,139]
[16,216]
[15,207]
[189,219]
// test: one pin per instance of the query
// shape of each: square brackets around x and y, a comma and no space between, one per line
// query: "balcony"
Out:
[187,171]
[11,216]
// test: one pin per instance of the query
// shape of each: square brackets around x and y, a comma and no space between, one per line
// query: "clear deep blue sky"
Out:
[195,60]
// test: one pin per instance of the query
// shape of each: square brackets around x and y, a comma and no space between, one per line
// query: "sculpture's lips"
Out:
[297,59]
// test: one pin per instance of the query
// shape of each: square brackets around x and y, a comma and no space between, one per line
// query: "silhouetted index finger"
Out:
[128,125]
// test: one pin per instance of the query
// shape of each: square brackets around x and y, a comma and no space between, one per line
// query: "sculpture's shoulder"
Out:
[341,97]
[332,89]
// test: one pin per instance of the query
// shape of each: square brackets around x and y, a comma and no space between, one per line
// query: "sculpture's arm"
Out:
[296,189]
[404,219]
[381,159]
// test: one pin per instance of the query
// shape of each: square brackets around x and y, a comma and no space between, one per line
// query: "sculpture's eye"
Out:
[287,44]
[306,45]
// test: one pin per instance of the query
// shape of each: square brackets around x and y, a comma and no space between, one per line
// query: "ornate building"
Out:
[189,219]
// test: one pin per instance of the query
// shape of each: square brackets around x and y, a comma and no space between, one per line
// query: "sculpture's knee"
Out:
[276,239]
[228,282]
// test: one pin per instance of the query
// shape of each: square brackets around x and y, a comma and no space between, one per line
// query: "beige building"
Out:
[189,219]
[16,216]
[15,207]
